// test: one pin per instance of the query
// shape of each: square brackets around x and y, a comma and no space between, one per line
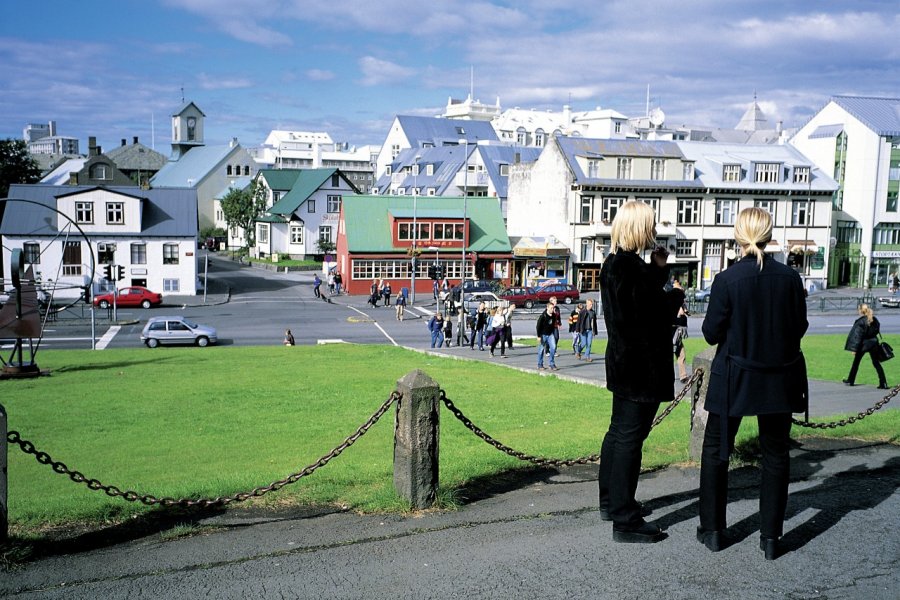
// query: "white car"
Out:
[889,301]
[177,330]
[490,299]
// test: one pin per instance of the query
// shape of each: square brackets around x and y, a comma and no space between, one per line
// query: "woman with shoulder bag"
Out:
[863,339]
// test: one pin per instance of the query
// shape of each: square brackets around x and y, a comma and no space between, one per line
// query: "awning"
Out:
[802,247]
[540,247]
[773,247]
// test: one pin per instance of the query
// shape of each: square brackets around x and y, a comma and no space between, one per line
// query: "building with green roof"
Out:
[376,240]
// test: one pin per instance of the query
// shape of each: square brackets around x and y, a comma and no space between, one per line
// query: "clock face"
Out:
[191,121]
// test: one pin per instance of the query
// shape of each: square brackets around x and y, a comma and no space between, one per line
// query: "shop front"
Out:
[539,260]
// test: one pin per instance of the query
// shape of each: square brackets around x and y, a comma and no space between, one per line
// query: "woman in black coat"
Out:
[757,317]
[638,314]
[863,339]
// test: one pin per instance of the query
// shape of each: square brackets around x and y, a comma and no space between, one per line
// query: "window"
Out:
[504,170]
[623,168]
[849,232]
[106,253]
[334,204]
[99,171]
[311,205]
[246,169]
[687,171]
[424,231]
[170,254]
[657,169]
[432,192]
[415,170]
[891,205]
[395,150]
[767,172]
[115,213]
[404,231]
[296,234]
[618,126]
[801,174]
[768,206]
[725,212]
[262,233]
[587,209]
[32,252]
[688,211]
[539,138]
[652,203]
[84,212]
[685,247]
[335,180]
[731,173]
[886,234]
[171,285]
[429,169]
[587,250]
[448,231]
[228,170]
[325,233]
[521,136]
[593,168]
[72,258]
[611,207]
[387,170]
[138,253]
[800,213]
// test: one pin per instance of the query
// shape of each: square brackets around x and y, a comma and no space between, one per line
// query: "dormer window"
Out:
[415,170]
[731,173]
[100,171]
[687,171]
[767,172]
[429,170]
[801,174]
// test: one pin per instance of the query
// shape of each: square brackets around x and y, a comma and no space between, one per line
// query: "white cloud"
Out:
[379,72]
[319,75]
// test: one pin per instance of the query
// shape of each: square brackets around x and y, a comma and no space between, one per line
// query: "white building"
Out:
[152,234]
[856,141]
[572,192]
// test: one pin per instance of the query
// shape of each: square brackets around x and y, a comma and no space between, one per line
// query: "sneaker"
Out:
[645,533]
[554,368]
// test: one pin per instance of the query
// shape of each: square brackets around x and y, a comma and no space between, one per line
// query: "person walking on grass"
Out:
[587,326]
[638,314]
[862,340]
[545,328]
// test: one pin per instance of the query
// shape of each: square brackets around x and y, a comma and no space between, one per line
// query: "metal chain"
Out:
[543,461]
[110,490]
[849,420]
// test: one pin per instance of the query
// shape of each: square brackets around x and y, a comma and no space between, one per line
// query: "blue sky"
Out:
[347,67]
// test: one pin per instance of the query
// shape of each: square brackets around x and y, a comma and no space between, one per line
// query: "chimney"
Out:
[779,126]
[123,141]
[73,178]
[234,142]
[92,146]
[135,138]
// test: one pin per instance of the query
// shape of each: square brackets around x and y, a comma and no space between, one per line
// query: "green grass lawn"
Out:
[186,422]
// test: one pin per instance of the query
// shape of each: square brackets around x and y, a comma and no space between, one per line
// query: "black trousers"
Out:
[620,458]
[855,367]
[774,440]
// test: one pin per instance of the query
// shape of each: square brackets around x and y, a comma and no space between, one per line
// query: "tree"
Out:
[16,165]
[241,208]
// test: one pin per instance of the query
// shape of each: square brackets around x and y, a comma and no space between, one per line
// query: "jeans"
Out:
[774,441]
[548,342]
[337,287]
[576,342]
[620,459]
[437,339]
[480,335]
[587,338]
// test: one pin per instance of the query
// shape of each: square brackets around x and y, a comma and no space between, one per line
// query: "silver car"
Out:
[176,330]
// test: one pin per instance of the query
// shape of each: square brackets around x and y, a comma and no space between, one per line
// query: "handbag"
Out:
[884,352]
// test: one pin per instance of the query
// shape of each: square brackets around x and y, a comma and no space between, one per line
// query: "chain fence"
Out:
[696,377]
[858,417]
[43,458]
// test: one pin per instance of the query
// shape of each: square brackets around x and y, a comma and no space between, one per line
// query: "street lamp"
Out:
[412,300]
[462,281]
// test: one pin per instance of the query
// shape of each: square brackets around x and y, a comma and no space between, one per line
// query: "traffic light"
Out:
[107,272]
[120,272]
[439,272]
[432,272]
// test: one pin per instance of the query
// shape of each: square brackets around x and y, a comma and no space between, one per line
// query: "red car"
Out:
[564,292]
[130,296]
[520,296]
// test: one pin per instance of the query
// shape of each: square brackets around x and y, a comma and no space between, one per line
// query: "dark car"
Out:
[564,292]
[129,296]
[520,296]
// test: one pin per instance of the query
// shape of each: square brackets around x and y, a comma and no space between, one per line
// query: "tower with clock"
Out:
[187,129]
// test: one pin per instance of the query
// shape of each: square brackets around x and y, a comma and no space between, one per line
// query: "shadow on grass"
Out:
[110,365]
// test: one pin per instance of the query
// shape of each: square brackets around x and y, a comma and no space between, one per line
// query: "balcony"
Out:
[474,180]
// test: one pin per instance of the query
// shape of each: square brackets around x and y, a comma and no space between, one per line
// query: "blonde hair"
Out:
[634,227]
[752,231]
[866,311]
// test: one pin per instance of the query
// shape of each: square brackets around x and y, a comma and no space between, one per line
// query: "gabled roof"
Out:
[592,148]
[305,185]
[367,220]
[494,156]
[165,213]
[60,174]
[280,180]
[192,167]
[881,115]
[421,130]
[753,120]
[136,157]
[185,107]
[238,183]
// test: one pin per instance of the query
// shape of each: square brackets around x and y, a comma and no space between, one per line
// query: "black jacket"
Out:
[638,314]
[863,336]
[587,321]
[545,324]
[757,318]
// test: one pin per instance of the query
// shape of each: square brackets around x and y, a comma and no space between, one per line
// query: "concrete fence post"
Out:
[4,510]
[416,431]
[703,361]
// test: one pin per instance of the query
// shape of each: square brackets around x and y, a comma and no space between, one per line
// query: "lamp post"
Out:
[462,280]
[412,300]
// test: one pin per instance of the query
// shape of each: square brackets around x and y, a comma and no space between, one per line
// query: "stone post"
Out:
[4,510]
[416,431]
[703,361]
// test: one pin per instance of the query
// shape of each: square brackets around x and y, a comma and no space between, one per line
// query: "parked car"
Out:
[130,296]
[177,330]
[489,298]
[702,295]
[521,296]
[889,301]
[564,292]
[476,285]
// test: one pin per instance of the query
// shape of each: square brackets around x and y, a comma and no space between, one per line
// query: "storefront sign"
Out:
[886,254]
